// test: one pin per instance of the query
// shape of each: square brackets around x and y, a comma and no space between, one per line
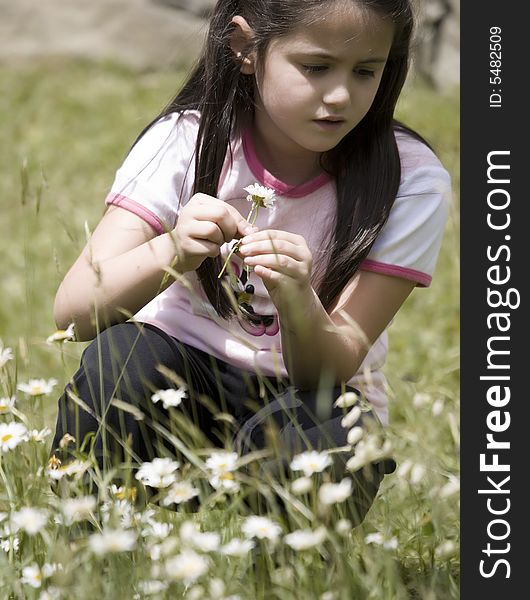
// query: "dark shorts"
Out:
[108,408]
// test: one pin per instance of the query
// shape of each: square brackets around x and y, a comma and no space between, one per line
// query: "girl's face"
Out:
[318,82]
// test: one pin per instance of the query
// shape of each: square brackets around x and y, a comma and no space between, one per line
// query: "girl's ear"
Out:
[240,41]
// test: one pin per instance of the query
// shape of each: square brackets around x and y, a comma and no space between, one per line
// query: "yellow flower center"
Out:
[227,475]
[5,438]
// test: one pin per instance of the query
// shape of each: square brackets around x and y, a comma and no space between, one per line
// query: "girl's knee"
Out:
[111,343]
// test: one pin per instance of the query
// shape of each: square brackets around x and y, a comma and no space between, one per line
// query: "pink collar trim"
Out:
[268,179]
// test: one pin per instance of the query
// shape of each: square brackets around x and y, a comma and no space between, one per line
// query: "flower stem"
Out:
[235,247]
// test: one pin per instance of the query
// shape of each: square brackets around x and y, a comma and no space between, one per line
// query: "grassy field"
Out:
[65,130]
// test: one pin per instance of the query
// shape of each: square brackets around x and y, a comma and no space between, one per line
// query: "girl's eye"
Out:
[314,68]
[365,73]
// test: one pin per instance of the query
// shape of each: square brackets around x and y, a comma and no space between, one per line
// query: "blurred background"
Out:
[79,80]
[159,34]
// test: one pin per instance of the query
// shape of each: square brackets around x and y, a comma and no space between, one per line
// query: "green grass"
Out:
[65,130]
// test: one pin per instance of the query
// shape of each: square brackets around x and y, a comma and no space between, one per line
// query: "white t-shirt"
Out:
[156,180]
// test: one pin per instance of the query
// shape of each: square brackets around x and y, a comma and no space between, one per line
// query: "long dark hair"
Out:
[365,164]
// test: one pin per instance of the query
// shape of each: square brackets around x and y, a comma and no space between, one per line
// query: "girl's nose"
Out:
[337,95]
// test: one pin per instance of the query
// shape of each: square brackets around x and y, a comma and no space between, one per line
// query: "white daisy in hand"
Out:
[11,435]
[159,473]
[260,195]
[261,528]
[169,398]
[304,539]
[311,462]
[37,387]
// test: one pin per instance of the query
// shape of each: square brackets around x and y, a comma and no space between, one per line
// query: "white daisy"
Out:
[150,588]
[367,451]
[222,465]
[451,488]
[311,462]
[417,473]
[39,436]
[159,473]
[332,493]
[303,539]
[187,566]
[437,408]
[343,527]
[380,540]
[346,400]
[112,540]
[57,471]
[11,435]
[157,530]
[354,435]
[191,536]
[31,520]
[260,195]
[6,354]
[37,387]
[221,462]
[351,418]
[180,492]
[446,549]
[237,547]
[7,404]
[169,398]
[62,335]
[10,543]
[302,485]
[261,528]
[32,575]
[78,509]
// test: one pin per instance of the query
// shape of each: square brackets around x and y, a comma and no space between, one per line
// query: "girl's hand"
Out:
[204,224]
[281,259]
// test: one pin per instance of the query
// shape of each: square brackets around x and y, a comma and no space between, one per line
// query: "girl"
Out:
[298,96]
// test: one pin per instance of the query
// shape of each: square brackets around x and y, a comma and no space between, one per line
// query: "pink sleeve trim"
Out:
[420,278]
[136,208]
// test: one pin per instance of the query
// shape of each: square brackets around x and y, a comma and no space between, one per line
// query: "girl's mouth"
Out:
[329,124]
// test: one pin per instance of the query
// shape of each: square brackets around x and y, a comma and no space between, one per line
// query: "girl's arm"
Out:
[315,343]
[335,344]
[122,267]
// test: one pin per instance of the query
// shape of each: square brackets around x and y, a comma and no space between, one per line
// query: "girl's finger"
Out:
[280,263]
[198,247]
[231,223]
[268,275]
[206,230]
[273,235]
[273,247]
